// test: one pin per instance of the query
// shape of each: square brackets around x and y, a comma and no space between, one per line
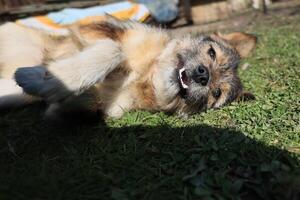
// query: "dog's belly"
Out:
[25,47]
[19,47]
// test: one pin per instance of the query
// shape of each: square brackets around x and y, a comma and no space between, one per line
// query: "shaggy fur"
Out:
[116,66]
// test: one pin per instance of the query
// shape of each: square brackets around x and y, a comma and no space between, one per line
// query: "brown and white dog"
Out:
[118,66]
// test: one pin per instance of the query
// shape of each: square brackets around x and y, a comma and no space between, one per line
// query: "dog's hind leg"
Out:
[72,75]
[11,95]
[84,105]
[19,46]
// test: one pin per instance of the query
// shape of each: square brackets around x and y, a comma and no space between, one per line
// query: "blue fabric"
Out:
[71,15]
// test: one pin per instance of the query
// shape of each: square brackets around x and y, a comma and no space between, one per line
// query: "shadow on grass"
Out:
[39,161]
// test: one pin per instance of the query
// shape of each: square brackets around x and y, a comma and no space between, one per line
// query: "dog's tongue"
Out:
[183,78]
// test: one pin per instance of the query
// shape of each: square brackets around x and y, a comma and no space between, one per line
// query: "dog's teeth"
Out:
[180,75]
[184,85]
[181,70]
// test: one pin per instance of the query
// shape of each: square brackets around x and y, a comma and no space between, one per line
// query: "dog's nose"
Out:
[201,75]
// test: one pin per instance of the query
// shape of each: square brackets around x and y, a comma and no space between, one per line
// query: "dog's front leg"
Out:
[73,75]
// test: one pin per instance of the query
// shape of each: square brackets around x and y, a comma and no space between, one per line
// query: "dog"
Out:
[116,66]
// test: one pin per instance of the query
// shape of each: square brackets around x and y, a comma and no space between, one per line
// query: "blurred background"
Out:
[207,15]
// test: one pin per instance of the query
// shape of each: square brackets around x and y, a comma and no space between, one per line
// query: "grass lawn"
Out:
[249,150]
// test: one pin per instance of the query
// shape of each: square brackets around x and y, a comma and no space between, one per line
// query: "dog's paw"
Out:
[31,79]
[38,81]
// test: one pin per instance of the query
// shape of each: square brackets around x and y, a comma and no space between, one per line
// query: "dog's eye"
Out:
[212,53]
[217,93]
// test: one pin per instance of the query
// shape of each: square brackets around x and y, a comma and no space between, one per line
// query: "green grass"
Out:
[248,150]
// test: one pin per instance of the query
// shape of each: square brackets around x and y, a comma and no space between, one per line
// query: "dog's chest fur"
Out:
[130,85]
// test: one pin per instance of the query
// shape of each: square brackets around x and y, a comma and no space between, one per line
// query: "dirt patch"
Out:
[276,16]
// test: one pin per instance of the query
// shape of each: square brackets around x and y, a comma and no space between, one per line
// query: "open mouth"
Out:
[183,78]
[183,81]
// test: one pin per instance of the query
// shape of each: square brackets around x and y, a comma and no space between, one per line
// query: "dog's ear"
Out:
[244,43]
[245,96]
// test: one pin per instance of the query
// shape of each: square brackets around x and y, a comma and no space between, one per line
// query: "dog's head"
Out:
[197,73]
